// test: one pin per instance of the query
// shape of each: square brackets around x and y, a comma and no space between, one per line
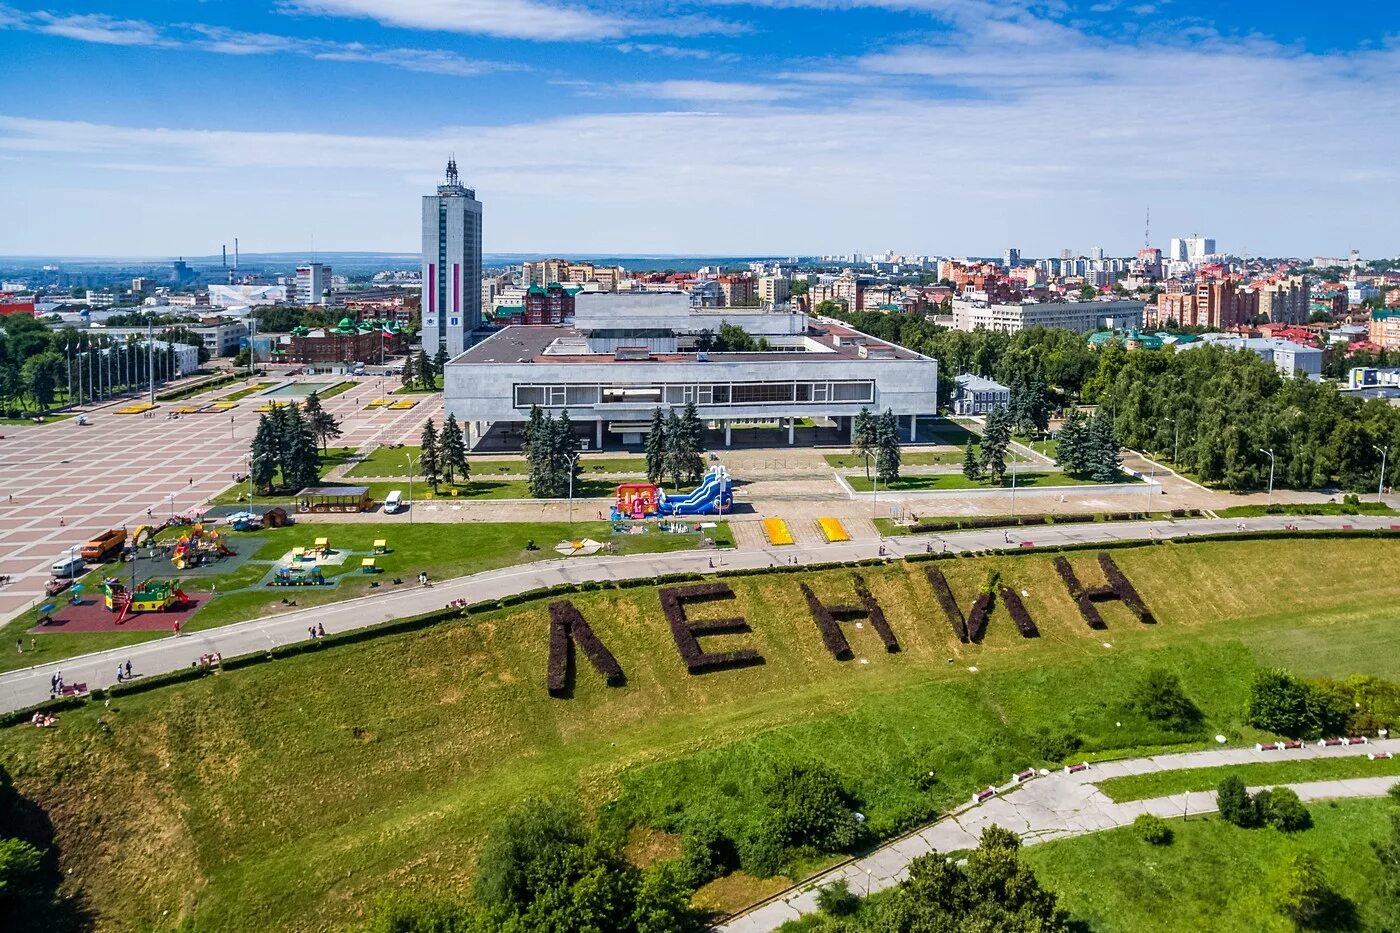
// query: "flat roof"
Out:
[342,491]
[526,343]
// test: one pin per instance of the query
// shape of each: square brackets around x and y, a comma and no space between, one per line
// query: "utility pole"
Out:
[151,356]
[1384,452]
[1271,473]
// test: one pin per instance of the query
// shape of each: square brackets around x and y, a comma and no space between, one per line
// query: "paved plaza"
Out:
[61,484]
[1055,806]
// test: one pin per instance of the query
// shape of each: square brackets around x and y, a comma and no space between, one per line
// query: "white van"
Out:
[69,567]
[393,502]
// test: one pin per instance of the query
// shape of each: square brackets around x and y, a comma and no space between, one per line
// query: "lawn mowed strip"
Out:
[1214,876]
[1306,508]
[310,785]
[1256,774]
[393,461]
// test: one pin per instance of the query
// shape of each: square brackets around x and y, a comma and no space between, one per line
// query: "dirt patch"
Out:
[737,891]
[646,846]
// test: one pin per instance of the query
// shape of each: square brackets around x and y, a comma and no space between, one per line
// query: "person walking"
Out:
[128,668]
[176,628]
[119,673]
[19,645]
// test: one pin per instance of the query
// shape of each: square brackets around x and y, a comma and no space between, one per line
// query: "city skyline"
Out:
[940,127]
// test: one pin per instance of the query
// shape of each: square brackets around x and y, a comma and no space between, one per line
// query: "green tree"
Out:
[324,425]
[423,371]
[972,465]
[454,451]
[677,456]
[1104,462]
[1235,804]
[863,437]
[409,377]
[564,460]
[264,454]
[1159,698]
[21,879]
[439,365]
[887,455]
[1281,703]
[996,440]
[691,443]
[430,459]
[534,428]
[301,462]
[1281,808]
[656,447]
[1302,893]
[1072,448]
[41,374]
[539,452]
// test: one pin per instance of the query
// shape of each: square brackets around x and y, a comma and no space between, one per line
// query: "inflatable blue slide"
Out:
[713,496]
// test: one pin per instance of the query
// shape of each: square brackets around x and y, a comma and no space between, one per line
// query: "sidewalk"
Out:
[25,687]
[1055,806]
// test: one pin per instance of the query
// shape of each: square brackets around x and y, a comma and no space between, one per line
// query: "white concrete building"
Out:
[612,369]
[246,296]
[313,283]
[451,307]
[1081,316]
[1290,358]
[978,396]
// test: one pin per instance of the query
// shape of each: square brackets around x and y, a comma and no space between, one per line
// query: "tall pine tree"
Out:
[439,366]
[324,425]
[656,447]
[863,437]
[887,456]
[539,452]
[423,369]
[301,462]
[430,459]
[972,467]
[564,460]
[996,439]
[1104,462]
[1072,449]
[454,451]
[534,429]
[410,376]
[692,442]
[263,452]
[677,463]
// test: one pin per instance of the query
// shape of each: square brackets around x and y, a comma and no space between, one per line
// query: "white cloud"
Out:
[510,19]
[732,92]
[225,41]
[656,50]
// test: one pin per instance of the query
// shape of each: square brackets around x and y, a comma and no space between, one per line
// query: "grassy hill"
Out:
[287,795]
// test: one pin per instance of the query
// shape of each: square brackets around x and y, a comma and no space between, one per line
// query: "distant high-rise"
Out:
[1198,248]
[1176,252]
[1096,252]
[451,307]
[1011,258]
[312,283]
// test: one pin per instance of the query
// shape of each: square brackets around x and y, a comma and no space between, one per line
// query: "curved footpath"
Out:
[1054,806]
[27,686]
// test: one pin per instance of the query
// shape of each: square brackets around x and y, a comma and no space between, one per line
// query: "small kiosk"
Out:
[334,499]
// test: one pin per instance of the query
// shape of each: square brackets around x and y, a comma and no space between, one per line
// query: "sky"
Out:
[701,127]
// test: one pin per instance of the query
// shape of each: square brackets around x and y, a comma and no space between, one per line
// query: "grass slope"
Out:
[936,481]
[1214,876]
[287,795]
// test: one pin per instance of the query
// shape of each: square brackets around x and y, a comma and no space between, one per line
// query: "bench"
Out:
[984,795]
[1027,544]
[1379,756]
[1021,777]
[74,690]
[1075,769]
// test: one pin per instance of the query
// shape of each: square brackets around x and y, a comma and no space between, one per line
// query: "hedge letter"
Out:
[829,619]
[687,632]
[567,625]
[1118,588]
[975,626]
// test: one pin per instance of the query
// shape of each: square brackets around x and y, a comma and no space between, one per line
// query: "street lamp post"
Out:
[1384,452]
[572,460]
[1271,473]
[411,504]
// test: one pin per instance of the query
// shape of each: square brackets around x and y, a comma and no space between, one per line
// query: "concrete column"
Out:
[913,428]
[599,445]
[852,426]
[792,428]
[727,438]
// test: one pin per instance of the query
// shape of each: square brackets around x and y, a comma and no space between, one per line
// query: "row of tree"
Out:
[1088,446]
[444,454]
[421,371]
[674,446]
[285,445]
[551,450]
[877,437]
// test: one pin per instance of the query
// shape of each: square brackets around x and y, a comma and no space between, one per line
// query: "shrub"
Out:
[1281,703]
[1235,804]
[706,853]
[977,618]
[1159,698]
[876,615]
[1302,893]
[1081,597]
[1055,748]
[1153,829]
[809,809]
[567,622]
[402,913]
[1281,809]
[836,899]
[520,852]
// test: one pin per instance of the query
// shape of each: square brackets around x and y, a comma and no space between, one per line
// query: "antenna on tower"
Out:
[235,254]
[1147,230]
[224,249]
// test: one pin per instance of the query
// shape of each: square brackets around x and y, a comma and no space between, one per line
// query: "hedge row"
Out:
[977,618]
[876,616]
[1008,521]
[1124,589]
[951,610]
[1024,623]
[204,386]
[1079,594]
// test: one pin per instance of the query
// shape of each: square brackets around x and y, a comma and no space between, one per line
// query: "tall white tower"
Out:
[451,307]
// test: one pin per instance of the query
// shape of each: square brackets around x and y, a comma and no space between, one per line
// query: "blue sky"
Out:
[700,126]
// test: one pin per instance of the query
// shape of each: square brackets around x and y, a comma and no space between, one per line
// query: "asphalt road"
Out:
[25,687]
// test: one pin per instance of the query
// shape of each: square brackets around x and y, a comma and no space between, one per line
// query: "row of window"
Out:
[724,393]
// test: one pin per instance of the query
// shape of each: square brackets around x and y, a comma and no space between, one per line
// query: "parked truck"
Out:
[108,544]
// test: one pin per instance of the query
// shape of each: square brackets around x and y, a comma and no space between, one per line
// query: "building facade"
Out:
[978,396]
[1385,328]
[774,290]
[1082,316]
[451,305]
[345,343]
[1287,301]
[548,304]
[313,283]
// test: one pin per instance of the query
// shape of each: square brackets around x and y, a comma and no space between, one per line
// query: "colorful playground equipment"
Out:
[152,596]
[714,496]
[199,546]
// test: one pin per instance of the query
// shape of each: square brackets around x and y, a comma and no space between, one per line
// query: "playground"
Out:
[155,607]
[639,501]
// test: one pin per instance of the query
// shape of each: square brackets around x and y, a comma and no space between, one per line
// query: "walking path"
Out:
[1054,806]
[27,686]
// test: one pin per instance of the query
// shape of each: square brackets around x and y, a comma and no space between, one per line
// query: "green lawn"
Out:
[907,458]
[246,391]
[417,390]
[1166,783]
[892,528]
[392,461]
[1317,508]
[338,389]
[1214,876]
[405,748]
[936,481]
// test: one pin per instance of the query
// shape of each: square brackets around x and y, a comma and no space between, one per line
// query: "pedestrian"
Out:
[320,630]
[61,522]
[33,644]
[1006,536]
[191,480]
[311,631]
[19,645]
[119,673]
[176,628]
[128,669]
